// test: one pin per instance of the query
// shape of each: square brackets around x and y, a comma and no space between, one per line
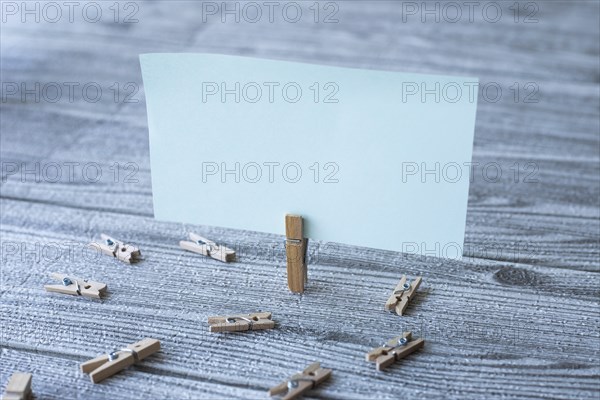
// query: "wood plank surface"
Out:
[518,317]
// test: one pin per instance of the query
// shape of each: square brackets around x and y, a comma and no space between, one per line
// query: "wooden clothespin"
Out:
[207,247]
[18,387]
[105,366]
[395,349]
[76,286]
[242,322]
[295,250]
[117,249]
[402,294]
[301,382]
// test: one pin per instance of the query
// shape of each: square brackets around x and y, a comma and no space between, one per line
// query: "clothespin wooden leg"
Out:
[295,249]
[395,349]
[297,384]
[402,294]
[237,323]
[104,366]
[18,387]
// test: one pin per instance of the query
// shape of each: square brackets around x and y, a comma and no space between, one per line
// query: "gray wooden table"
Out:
[518,317]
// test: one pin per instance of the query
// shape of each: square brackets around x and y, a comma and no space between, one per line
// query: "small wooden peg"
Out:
[105,366]
[18,387]
[76,286]
[301,382]
[208,248]
[402,294]
[241,322]
[114,248]
[295,249]
[395,349]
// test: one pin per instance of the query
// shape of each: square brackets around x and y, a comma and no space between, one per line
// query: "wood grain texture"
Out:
[518,317]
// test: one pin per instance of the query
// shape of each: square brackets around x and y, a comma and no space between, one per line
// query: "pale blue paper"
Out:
[369,133]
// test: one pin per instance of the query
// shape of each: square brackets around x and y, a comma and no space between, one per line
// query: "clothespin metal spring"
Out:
[115,354]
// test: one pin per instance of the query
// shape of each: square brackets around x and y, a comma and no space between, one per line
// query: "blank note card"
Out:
[368,158]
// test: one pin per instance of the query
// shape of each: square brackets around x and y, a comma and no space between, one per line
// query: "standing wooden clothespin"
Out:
[299,383]
[105,366]
[18,387]
[207,247]
[112,247]
[395,349]
[243,322]
[402,294]
[295,250]
[76,287]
